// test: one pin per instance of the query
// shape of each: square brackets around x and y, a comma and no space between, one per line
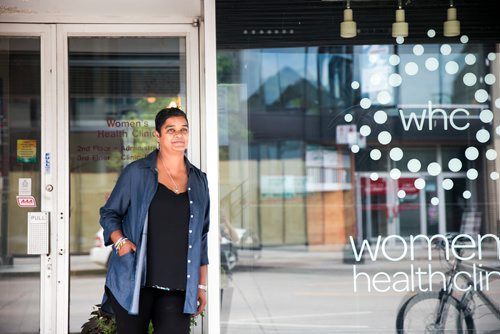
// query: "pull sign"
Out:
[38,233]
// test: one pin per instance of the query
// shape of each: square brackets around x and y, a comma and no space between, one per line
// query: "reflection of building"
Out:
[301,98]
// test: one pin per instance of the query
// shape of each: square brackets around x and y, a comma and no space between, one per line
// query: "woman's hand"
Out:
[202,301]
[127,247]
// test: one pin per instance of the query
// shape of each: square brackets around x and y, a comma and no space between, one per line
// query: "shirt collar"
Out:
[150,161]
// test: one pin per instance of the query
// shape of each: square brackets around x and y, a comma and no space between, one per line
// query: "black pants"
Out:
[163,308]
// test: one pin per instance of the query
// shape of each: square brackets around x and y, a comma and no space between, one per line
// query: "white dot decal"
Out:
[497,103]
[380,117]
[365,130]
[494,176]
[418,50]
[470,59]
[481,95]
[374,176]
[447,184]
[434,168]
[384,97]
[396,154]
[395,173]
[471,153]
[445,49]
[384,137]
[401,194]
[431,64]
[414,165]
[472,174]
[467,194]
[455,165]
[482,136]
[400,39]
[464,39]
[469,79]
[348,118]
[375,154]
[497,130]
[419,183]
[355,85]
[431,33]
[354,148]
[486,116]
[395,80]
[451,67]
[491,154]
[492,56]
[365,103]
[434,201]
[490,79]
[411,68]
[394,60]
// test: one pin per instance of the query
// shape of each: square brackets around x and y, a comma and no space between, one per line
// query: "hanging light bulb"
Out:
[400,27]
[348,26]
[451,26]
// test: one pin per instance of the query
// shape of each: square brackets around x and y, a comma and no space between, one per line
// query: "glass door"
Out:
[26,156]
[117,82]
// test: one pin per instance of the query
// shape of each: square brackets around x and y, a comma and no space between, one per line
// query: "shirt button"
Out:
[190,231]
[192,216]
[189,261]
[188,276]
[190,202]
[190,246]
[189,188]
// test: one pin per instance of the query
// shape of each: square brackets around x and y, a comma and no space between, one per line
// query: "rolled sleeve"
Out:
[115,209]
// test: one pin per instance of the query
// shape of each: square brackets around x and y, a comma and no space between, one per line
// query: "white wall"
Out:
[100,11]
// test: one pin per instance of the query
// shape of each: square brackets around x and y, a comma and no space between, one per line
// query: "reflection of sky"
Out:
[437,86]
[280,68]
[272,62]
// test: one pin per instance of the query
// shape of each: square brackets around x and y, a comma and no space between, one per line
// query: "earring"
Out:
[157,145]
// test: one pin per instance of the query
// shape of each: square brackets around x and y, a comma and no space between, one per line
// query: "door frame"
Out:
[49,165]
[192,107]
[393,226]
[54,147]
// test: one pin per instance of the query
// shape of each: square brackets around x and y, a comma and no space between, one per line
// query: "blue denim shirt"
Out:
[127,209]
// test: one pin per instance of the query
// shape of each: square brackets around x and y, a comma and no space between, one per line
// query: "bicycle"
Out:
[445,311]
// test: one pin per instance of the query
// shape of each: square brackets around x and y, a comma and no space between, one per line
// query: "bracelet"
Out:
[119,244]
[202,287]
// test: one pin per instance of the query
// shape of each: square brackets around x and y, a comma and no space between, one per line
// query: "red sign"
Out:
[26,201]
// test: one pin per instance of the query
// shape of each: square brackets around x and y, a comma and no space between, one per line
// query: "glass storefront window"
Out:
[327,150]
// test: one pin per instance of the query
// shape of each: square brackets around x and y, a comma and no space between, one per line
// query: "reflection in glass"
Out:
[116,87]
[20,115]
[302,167]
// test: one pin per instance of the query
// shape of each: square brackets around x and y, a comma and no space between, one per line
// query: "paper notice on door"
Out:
[24,187]
[26,150]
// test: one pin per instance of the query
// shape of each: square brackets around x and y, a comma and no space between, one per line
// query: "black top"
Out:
[167,248]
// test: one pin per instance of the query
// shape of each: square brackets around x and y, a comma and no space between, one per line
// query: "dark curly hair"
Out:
[166,113]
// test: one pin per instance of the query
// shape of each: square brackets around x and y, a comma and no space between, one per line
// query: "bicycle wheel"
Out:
[419,315]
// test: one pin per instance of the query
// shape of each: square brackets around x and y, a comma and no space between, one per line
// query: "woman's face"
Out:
[174,135]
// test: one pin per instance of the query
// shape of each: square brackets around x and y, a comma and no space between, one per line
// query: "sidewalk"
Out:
[30,266]
[269,258]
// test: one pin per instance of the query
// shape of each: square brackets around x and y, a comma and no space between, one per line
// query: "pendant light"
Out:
[400,27]
[348,26]
[451,26]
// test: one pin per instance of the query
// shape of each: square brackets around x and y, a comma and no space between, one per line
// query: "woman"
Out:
[157,218]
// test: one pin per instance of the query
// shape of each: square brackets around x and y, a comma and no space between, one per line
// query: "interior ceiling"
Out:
[280,23]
